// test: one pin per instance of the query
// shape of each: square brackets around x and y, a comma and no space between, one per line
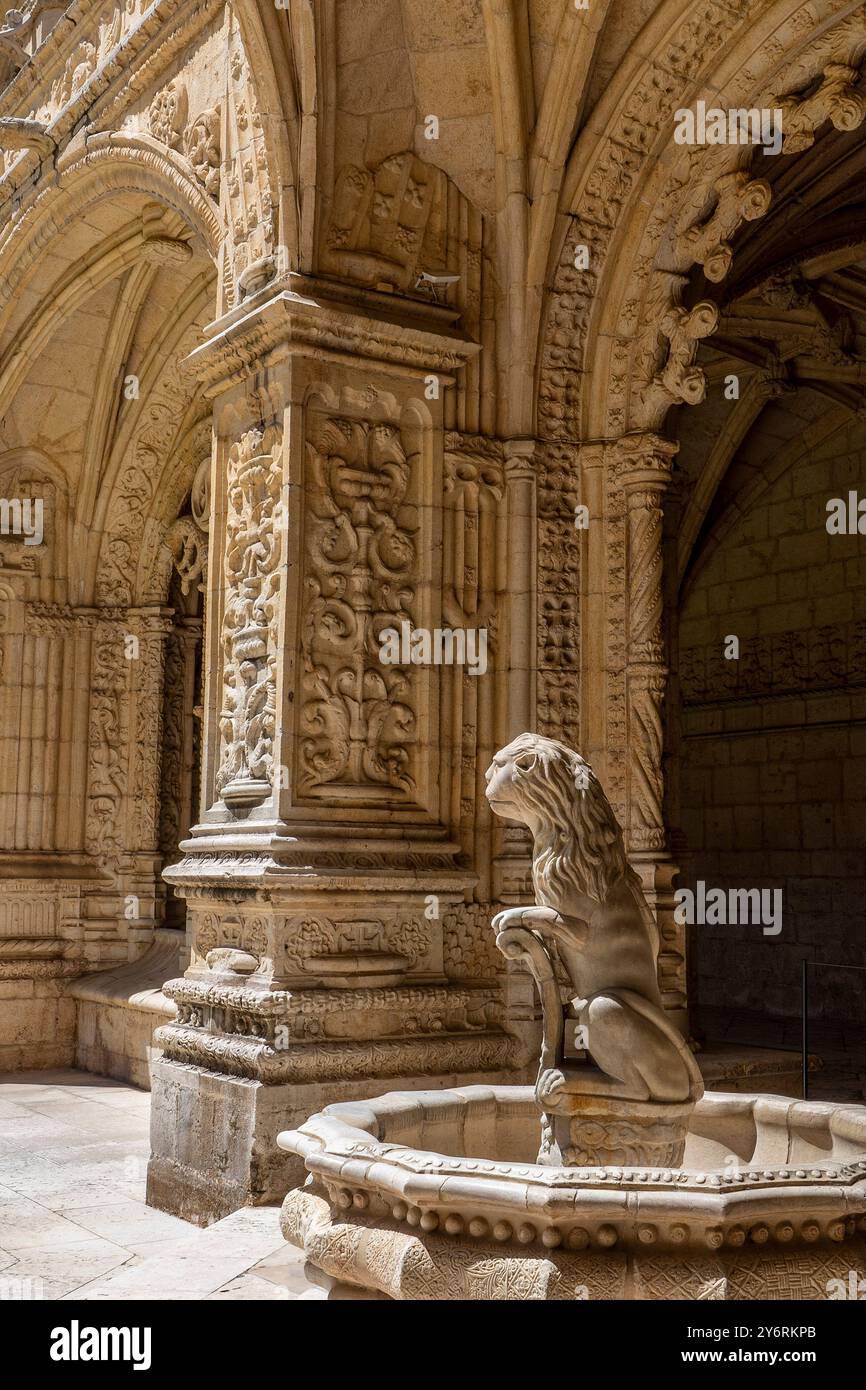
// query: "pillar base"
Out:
[214,1136]
[213,1143]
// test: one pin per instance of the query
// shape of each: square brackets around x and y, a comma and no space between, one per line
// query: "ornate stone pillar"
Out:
[643,471]
[516,706]
[522,541]
[327,857]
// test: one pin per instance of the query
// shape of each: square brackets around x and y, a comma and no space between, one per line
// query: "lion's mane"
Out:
[577,840]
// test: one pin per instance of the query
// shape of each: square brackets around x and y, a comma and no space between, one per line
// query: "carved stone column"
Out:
[515,713]
[516,710]
[643,471]
[522,540]
[327,858]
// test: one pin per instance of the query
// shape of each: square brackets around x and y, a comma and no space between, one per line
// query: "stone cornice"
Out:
[306,319]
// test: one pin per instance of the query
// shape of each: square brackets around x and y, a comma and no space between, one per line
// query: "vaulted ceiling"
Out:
[792,331]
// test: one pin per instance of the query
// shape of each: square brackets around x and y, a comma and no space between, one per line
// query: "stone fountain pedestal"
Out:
[438,1195]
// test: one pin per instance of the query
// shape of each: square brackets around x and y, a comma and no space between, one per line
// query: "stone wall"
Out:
[774,745]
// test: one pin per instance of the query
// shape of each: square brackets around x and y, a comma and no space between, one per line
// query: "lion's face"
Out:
[577,850]
[501,777]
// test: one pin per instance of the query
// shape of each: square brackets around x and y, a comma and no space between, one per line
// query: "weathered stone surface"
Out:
[320,322]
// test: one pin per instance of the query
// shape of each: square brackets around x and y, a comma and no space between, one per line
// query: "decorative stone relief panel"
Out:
[778,664]
[109,738]
[213,932]
[474,535]
[196,138]
[173,745]
[558,598]
[469,943]
[359,721]
[396,223]
[248,202]
[39,929]
[180,743]
[254,545]
[147,675]
[615,649]
[137,486]
[321,946]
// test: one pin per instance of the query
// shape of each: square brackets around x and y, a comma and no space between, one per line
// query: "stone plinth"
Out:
[592,1129]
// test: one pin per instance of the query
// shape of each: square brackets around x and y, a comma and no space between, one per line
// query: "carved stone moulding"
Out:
[299,987]
[91,64]
[36,958]
[393,1208]
[340,940]
[312,862]
[335,1063]
[310,318]
[40,923]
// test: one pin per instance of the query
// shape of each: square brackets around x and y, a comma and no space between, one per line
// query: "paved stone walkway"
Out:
[73,1219]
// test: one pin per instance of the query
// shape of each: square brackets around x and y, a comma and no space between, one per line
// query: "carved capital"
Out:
[519,460]
[644,462]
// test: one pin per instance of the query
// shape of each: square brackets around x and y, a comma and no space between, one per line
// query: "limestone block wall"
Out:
[773,769]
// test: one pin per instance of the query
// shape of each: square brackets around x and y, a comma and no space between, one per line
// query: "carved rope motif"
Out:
[644,469]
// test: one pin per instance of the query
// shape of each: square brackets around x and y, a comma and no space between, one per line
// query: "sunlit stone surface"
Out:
[379,382]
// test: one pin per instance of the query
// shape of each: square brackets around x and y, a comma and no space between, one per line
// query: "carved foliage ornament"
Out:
[108,738]
[358,720]
[836,100]
[829,90]
[665,360]
[708,243]
[253,550]
[198,139]
[202,146]
[250,203]
[314,939]
[187,538]
[167,118]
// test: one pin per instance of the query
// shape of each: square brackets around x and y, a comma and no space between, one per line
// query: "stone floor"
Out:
[73,1219]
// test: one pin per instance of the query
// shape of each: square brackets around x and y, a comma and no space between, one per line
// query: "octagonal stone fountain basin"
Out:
[437,1195]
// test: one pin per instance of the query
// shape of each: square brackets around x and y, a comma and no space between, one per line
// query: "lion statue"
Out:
[591,907]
